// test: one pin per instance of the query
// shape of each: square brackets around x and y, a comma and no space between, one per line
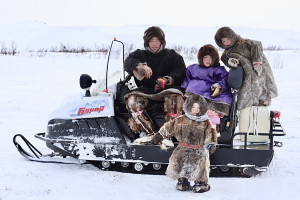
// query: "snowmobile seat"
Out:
[235,77]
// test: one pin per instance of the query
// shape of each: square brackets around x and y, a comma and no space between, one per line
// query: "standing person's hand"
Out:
[258,68]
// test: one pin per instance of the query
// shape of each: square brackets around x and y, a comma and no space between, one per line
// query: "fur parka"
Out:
[256,90]
[190,163]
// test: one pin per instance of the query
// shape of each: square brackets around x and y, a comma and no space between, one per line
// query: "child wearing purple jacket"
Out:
[209,79]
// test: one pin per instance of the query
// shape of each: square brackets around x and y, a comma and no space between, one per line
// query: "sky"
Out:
[255,13]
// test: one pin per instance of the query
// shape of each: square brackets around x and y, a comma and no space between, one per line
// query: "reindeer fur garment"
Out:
[256,90]
[190,163]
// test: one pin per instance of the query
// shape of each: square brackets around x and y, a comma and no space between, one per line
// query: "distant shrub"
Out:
[273,48]
[8,51]
[189,53]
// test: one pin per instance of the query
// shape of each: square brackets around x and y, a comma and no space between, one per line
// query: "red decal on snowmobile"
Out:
[82,111]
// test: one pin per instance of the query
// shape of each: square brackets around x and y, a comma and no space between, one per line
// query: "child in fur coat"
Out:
[190,159]
[209,79]
[259,85]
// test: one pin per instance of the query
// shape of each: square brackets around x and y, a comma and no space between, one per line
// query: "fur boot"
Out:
[145,123]
[183,184]
[201,187]
[136,105]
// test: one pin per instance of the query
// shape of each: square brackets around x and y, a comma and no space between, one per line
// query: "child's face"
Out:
[195,109]
[226,41]
[207,60]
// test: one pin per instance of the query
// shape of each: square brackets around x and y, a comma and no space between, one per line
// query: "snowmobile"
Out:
[93,129]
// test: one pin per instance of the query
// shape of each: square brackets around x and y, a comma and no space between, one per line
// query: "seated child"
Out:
[197,139]
[209,79]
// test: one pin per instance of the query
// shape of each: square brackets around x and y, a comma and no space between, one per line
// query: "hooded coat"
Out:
[190,163]
[199,79]
[256,90]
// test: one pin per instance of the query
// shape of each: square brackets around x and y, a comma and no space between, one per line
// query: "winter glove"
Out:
[162,83]
[258,68]
[139,72]
[233,62]
[215,89]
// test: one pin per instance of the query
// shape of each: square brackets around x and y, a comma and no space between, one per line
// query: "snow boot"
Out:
[183,185]
[145,123]
[200,187]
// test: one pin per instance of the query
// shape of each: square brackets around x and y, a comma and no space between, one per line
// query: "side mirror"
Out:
[86,82]
[236,77]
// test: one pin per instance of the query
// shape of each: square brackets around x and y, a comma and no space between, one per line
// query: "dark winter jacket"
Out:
[165,63]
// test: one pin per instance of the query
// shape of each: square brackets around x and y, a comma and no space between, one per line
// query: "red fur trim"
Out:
[173,115]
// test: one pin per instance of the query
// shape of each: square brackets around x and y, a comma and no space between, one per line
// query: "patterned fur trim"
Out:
[195,98]
[156,97]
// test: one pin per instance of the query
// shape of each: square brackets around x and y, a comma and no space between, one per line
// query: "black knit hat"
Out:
[154,31]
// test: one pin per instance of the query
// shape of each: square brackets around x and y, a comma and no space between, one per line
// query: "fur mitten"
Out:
[169,81]
[166,144]
[211,148]
[162,83]
[215,89]
[139,72]
[152,139]
[233,62]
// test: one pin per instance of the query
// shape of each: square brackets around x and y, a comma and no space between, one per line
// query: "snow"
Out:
[34,35]
[33,86]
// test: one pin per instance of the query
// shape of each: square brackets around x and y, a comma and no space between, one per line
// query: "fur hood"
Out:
[226,32]
[195,98]
[208,50]
[154,31]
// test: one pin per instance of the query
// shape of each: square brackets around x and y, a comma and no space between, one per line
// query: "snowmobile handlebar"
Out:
[114,40]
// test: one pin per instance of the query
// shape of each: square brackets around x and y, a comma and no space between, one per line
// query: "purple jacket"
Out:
[198,80]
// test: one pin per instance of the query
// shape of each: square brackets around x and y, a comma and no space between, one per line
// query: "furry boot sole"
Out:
[201,188]
[183,186]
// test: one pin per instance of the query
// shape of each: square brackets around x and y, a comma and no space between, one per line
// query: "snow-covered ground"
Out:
[33,86]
